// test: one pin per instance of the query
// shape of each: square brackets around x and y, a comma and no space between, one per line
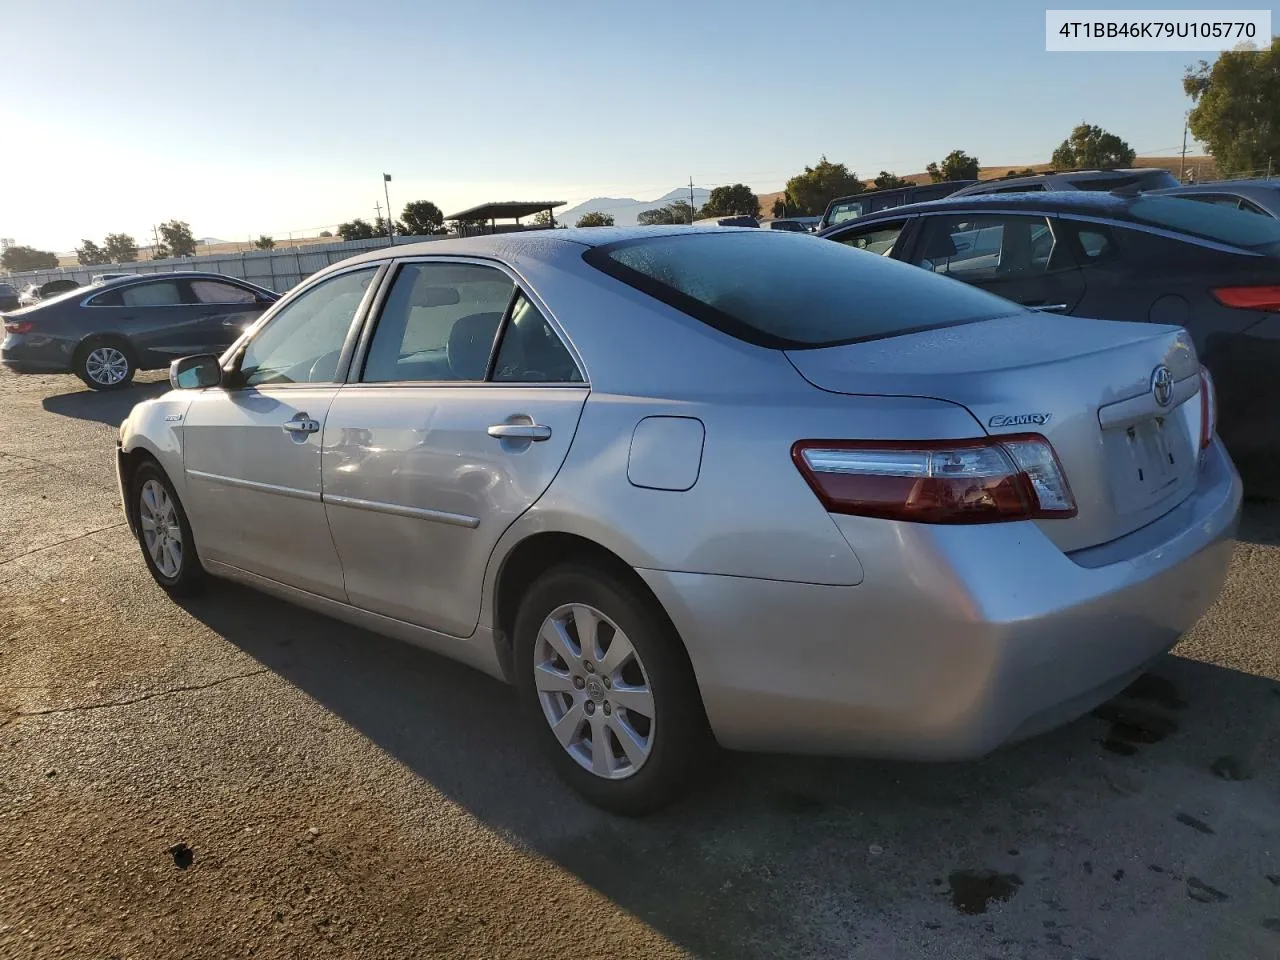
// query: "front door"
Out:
[252,449]
[1016,256]
[225,310]
[459,419]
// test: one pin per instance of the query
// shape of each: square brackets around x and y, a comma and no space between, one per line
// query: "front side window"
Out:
[847,210]
[880,239]
[303,342]
[439,323]
[214,291]
[782,290]
[161,293]
[973,248]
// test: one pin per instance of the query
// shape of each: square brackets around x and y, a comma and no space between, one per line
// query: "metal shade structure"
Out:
[505,210]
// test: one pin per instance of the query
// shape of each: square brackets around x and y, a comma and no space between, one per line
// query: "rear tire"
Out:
[105,364]
[620,718]
[164,534]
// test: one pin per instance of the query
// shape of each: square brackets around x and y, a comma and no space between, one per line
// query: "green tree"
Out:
[809,193]
[956,165]
[421,218]
[678,211]
[1237,108]
[177,238]
[380,226]
[120,248]
[326,233]
[1089,147]
[887,180]
[732,201]
[1024,172]
[18,259]
[264,242]
[356,229]
[544,218]
[595,218]
[91,255]
[779,207]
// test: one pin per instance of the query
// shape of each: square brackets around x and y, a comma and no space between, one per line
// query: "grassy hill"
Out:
[1204,168]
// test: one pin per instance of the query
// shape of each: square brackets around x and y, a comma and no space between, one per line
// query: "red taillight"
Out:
[1208,409]
[945,481]
[1249,298]
[18,326]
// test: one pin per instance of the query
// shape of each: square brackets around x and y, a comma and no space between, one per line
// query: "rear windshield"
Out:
[1239,228]
[789,291]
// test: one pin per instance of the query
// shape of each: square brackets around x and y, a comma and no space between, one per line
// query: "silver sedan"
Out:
[683,487]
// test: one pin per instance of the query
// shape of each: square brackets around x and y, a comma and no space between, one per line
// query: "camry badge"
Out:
[1162,385]
[173,418]
[1019,419]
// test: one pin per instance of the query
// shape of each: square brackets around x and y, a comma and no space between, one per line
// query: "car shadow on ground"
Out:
[106,406]
[1260,523]
[770,845]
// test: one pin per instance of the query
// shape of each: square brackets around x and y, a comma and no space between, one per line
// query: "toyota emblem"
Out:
[1162,385]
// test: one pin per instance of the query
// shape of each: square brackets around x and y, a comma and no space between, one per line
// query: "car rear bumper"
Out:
[959,639]
[19,354]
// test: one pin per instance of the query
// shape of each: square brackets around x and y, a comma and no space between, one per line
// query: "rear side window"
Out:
[161,293]
[784,291]
[1209,221]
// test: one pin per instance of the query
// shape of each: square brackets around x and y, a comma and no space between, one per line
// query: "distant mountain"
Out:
[625,209]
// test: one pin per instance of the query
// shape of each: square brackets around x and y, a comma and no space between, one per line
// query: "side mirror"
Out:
[195,373]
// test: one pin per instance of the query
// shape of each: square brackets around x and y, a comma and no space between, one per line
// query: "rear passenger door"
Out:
[156,315]
[458,413]
[1021,257]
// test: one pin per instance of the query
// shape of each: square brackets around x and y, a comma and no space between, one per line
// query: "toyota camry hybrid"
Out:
[688,487]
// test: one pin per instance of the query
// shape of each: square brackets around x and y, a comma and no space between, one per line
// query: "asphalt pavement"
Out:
[235,777]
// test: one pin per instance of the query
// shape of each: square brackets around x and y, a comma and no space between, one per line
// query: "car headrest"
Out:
[470,342]
[940,246]
[435,297]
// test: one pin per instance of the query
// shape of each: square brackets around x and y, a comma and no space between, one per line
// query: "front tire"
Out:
[606,682]
[164,533]
[105,364]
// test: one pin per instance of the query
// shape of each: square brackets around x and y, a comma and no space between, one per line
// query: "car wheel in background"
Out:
[105,364]
[164,533]
[606,682]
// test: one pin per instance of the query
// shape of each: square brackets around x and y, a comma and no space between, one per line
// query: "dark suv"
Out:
[1099,181]
[860,204]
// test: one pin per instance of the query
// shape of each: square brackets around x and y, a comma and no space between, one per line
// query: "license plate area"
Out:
[1148,460]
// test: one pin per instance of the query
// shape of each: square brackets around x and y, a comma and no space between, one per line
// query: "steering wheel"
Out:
[324,368]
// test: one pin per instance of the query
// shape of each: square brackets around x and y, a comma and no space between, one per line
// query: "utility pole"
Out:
[1182,173]
[386,193]
[155,236]
[691,213]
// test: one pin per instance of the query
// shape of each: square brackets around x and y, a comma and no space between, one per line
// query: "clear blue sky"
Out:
[276,115]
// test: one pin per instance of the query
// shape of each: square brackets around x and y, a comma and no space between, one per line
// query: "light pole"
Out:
[386,193]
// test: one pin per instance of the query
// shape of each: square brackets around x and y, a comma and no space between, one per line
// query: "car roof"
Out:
[173,275]
[531,243]
[1213,186]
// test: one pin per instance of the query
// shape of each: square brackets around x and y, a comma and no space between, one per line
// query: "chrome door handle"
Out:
[1046,307]
[302,424]
[520,431]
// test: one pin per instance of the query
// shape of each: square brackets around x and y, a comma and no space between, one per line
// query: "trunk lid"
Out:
[1088,386]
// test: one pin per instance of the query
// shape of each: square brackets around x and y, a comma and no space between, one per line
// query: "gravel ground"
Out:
[236,777]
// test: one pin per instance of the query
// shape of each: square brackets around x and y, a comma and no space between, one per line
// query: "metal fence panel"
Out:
[278,269]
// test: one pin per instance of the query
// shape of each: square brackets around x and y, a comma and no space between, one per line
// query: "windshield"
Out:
[840,212]
[777,289]
[1209,221]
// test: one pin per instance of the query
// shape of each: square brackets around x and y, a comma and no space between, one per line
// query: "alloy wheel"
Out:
[106,366]
[161,530]
[594,691]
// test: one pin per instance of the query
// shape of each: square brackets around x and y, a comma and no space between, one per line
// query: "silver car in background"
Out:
[686,486]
